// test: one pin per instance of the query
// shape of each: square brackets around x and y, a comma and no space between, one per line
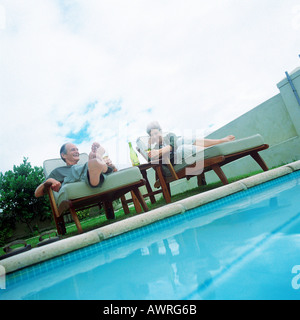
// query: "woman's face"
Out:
[155,135]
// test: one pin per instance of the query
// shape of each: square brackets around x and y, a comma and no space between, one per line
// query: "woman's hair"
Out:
[153,125]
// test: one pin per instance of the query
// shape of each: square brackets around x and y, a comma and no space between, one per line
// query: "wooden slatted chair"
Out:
[211,158]
[78,195]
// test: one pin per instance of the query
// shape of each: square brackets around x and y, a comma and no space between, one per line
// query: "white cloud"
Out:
[193,63]
[2,17]
[296,17]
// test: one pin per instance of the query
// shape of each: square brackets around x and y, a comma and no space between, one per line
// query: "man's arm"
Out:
[40,190]
[110,164]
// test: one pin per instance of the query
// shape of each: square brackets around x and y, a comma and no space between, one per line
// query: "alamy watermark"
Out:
[189,151]
[296,278]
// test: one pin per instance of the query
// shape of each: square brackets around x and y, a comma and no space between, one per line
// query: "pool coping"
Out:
[40,254]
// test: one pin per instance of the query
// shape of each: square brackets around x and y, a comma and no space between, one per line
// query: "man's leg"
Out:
[96,164]
[95,168]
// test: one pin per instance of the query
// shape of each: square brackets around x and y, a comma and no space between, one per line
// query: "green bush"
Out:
[83,214]
[17,200]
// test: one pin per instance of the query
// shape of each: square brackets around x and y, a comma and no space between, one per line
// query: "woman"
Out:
[174,147]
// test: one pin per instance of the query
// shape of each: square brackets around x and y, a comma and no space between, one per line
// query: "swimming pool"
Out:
[243,246]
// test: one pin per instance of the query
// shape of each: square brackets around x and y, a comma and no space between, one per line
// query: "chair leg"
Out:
[163,184]
[201,180]
[60,225]
[148,187]
[219,172]
[109,210]
[125,205]
[136,202]
[141,199]
[259,160]
[59,220]
[169,188]
[76,220]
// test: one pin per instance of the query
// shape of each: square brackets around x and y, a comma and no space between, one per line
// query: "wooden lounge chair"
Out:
[211,158]
[78,195]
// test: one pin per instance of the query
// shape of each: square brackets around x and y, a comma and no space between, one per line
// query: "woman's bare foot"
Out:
[199,148]
[228,138]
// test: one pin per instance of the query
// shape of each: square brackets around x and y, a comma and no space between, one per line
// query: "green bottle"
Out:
[133,156]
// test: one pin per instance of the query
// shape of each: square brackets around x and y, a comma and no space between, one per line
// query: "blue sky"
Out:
[100,70]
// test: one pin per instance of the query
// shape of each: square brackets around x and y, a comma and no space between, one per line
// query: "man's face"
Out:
[72,156]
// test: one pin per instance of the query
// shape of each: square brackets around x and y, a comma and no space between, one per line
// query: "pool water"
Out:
[244,246]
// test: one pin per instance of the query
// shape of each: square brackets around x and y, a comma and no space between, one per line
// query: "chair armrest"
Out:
[47,186]
[49,191]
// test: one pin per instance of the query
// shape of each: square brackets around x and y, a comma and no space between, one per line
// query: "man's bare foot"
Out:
[92,155]
[97,151]
[96,167]
[229,138]
[95,146]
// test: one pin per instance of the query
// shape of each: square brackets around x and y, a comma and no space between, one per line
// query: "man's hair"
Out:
[63,150]
[153,125]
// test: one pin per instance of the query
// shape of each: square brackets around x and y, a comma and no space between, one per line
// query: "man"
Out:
[93,172]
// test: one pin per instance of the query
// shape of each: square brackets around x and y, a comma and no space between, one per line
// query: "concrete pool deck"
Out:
[64,246]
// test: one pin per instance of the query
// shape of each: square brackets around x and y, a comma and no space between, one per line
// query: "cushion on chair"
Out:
[224,149]
[80,189]
[113,181]
[234,146]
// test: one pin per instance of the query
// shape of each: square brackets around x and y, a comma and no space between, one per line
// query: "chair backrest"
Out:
[51,164]
[142,145]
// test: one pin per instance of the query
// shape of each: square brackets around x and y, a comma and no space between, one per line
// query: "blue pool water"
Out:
[244,246]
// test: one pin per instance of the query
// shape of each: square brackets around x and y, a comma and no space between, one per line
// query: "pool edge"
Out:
[64,246]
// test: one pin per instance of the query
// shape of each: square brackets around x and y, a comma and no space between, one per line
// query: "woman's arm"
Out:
[156,154]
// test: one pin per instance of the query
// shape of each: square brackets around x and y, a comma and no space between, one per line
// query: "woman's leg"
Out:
[211,142]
